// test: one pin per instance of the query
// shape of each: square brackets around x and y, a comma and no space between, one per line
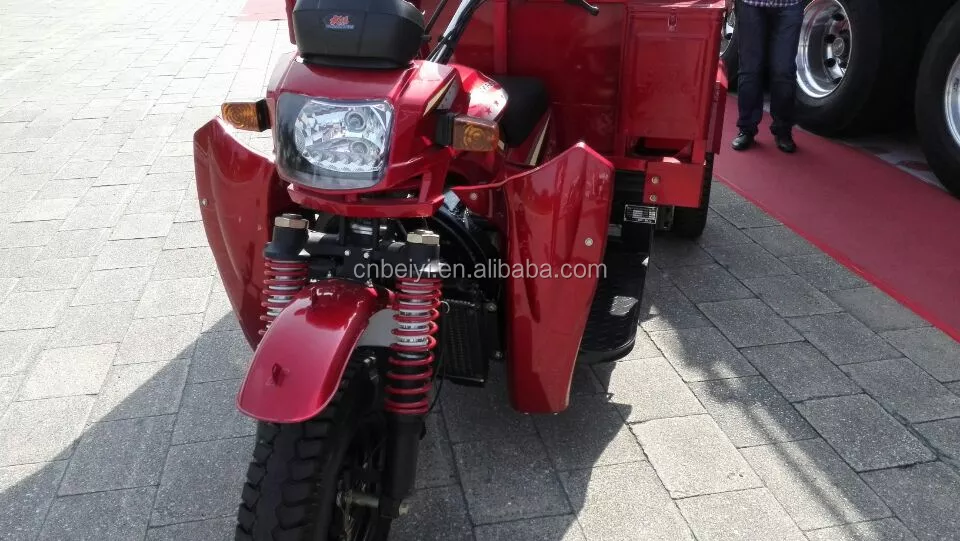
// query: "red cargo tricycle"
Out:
[437,202]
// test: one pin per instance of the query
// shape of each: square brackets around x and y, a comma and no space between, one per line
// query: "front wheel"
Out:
[308,480]
[689,223]
[938,101]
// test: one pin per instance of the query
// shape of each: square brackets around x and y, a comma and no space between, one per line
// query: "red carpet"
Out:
[263,10]
[882,223]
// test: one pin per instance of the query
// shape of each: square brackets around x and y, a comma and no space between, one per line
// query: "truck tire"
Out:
[938,101]
[853,64]
[299,470]
[689,223]
[729,50]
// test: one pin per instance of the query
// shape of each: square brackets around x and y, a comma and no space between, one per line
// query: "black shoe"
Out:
[785,143]
[742,141]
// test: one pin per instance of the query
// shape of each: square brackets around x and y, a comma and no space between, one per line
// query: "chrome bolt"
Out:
[497,355]
[203,202]
[588,241]
[491,307]
[474,197]
[291,221]
[366,255]
[423,236]
[346,253]
[653,198]
[655,180]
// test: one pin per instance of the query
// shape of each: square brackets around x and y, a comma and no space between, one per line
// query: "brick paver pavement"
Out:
[773,394]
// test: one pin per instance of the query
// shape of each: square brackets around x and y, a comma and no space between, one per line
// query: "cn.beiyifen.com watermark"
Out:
[497,269]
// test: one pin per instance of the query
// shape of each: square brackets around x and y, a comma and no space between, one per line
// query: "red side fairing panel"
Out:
[239,194]
[297,368]
[556,215]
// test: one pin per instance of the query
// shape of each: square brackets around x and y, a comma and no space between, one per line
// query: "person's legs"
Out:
[752,35]
[784,40]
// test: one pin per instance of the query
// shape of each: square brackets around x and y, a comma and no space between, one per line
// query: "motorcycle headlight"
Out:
[333,145]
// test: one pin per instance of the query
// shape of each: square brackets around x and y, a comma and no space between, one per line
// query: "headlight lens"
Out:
[333,145]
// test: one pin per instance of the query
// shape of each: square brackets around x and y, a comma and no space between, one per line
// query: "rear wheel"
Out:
[938,101]
[306,479]
[689,223]
[853,64]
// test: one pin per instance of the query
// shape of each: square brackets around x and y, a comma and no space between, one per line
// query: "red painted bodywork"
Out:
[297,368]
[635,89]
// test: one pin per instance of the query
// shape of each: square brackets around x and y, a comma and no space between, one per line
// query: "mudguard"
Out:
[300,361]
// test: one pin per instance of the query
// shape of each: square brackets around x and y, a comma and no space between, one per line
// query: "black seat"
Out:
[527,102]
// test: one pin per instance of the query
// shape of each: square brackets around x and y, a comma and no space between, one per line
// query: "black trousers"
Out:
[768,36]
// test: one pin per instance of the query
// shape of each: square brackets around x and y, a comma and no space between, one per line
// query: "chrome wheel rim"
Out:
[729,27]
[951,101]
[826,45]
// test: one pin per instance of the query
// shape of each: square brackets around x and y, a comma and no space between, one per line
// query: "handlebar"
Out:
[591,9]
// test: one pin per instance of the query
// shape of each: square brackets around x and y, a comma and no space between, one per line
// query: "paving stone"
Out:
[647,389]
[18,349]
[70,244]
[160,339]
[46,209]
[955,387]
[9,385]
[435,463]
[748,261]
[867,437]
[475,413]
[69,371]
[52,274]
[876,309]
[219,315]
[435,513]
[508,480]
[119,454]
[185,263]
[667,309]
[749,322]
[669,253]
[92,217]
[930,348]
[141,390]
[120,254]
[110,286]
[744,214]
[118,175]
[751,412]
[693,456]
[926,497]
[944,437]
[92,325]
[209,412]
[219,356]
[41,430]
[189,211]
[906,390]
[118,515]
[888,529]
[781,241]
[218,529]
[16,262]
[843,339]
[562,528]
[26,493]
[174,297]
[186,235]
[139,226]
[584,382]
[624,502]
[814,484]
[152,202]
[33,309]
[706,283]
[720,232]
[202,480]
[746,514]
[791,296]
[589,433]
[799,371]
[114,197]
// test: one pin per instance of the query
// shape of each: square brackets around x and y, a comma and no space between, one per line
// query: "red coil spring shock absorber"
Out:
[410,372]
[285,273]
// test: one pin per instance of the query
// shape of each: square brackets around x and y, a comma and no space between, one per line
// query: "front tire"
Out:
[938,101]
[300,474]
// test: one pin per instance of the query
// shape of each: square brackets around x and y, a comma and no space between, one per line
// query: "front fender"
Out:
[300,361]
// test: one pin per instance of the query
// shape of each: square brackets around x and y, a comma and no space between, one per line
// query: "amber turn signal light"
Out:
[249,116]
[464,132]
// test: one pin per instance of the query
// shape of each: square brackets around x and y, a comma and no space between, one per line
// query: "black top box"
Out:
[371,34]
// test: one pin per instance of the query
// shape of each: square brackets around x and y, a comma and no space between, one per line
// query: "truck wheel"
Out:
[299,480]
[853,63]
[689,223]
[938,101]
[729,51]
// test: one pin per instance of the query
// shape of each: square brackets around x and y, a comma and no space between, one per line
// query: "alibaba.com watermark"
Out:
[496,269]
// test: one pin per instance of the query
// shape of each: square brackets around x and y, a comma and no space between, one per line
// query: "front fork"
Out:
[409,373]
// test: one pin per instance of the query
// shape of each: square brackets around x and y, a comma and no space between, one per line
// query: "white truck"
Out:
[870,65]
